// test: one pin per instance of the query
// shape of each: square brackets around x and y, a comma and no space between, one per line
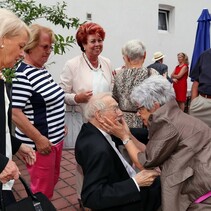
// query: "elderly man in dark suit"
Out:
[110,183]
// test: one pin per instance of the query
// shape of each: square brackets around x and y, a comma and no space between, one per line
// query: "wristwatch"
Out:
[126,141]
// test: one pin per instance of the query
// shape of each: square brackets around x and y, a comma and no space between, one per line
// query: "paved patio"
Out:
[65,198]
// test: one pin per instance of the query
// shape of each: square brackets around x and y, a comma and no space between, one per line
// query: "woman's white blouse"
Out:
[8,185]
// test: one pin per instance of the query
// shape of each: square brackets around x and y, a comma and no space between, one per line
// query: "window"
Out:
[163,20]
[89,16]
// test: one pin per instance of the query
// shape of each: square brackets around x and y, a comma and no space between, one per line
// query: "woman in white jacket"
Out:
[86,74]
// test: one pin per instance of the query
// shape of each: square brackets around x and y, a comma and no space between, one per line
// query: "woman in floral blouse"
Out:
[129,76]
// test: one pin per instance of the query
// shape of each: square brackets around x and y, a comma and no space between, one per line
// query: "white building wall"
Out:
[124,20]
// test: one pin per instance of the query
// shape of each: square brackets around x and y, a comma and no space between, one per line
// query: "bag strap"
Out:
[28,191]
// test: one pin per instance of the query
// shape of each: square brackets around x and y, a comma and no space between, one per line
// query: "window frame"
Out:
[166,19]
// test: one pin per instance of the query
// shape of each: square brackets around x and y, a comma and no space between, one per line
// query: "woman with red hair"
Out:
[86,74]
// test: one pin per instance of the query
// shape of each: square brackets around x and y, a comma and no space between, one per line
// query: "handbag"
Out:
[73,121]
[33,202]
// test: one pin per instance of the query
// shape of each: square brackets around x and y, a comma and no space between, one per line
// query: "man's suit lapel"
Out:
[120,167]
[2,119]
[93,128]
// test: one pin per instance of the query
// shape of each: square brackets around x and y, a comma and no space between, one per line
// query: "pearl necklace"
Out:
[89,63]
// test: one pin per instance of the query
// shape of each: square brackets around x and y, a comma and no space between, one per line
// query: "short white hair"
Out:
[95,103]
[134,50]
[156,88]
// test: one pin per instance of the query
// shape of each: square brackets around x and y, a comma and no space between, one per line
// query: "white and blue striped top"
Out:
[41,100]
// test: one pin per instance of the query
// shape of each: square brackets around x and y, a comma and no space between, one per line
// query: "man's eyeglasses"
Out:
[46,47]
[139,109]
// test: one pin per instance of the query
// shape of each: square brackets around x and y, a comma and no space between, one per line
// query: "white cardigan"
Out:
[77,77]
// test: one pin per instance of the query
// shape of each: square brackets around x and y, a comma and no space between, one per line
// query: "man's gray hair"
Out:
[134,49]
[156,88]
[96,103]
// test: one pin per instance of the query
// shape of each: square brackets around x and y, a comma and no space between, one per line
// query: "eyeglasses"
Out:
[46,47]
[115,108]
[139,109]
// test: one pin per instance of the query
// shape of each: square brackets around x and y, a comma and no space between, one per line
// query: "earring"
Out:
[2,46]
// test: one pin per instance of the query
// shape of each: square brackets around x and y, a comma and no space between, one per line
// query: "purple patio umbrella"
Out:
[202,40]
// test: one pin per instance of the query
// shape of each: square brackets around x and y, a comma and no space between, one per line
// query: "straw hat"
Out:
[157,56]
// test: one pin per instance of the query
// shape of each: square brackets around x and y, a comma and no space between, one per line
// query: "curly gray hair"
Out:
[156,88]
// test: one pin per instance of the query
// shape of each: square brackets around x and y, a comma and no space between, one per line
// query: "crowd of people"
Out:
[135,147]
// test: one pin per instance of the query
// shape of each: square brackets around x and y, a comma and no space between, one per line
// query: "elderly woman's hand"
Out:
[28,154]
[174,80]
[118,128]
[83,97]
[10,172]
[43,145]
[146,177]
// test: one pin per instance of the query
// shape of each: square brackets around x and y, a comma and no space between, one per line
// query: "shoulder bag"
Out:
[33,202]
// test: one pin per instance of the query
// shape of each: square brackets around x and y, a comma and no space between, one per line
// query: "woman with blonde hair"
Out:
[179,77]
[38,110]
[14,35]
